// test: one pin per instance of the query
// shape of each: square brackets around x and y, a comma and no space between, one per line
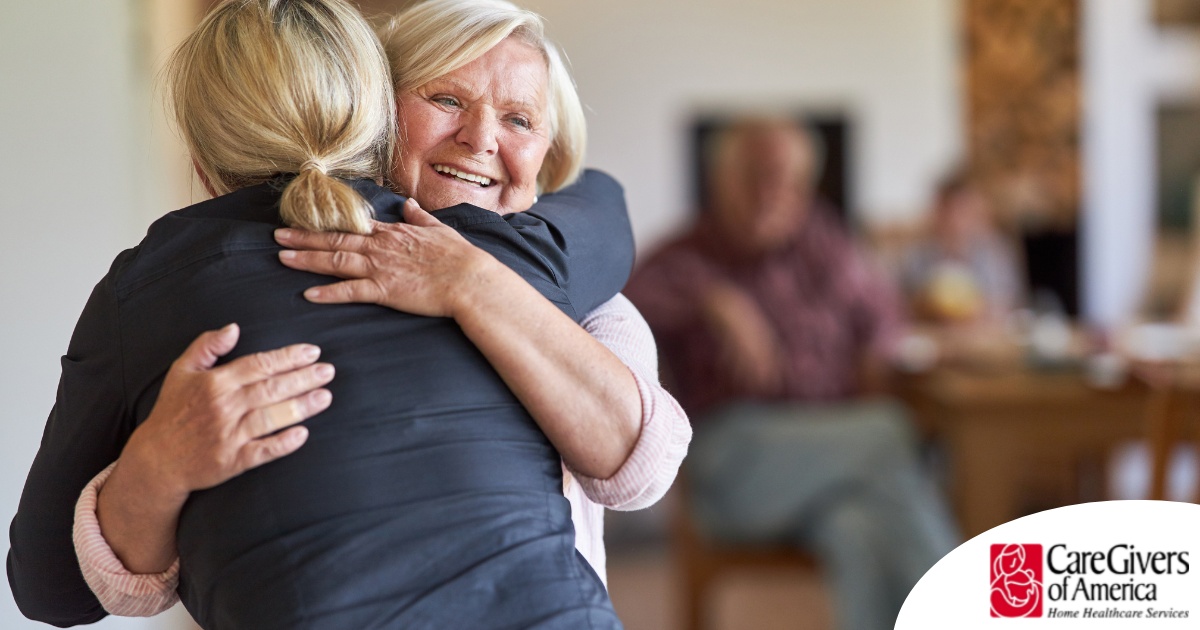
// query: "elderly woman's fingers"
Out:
[322,241]
[204,351]
[261,365]
[281,387]
[271,418]
[339,264]
[362,291]
[255,453]
[414,214]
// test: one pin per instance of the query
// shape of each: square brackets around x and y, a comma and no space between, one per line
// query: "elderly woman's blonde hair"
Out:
[437,37]
[265,88]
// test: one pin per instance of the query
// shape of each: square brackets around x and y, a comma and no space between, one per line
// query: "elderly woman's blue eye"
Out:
[521,122]
[448,101]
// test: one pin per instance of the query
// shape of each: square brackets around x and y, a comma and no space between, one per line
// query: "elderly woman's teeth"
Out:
[478,179]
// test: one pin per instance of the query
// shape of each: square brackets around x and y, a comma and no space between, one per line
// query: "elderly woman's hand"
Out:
[425,268]
[208,425]
[421,267]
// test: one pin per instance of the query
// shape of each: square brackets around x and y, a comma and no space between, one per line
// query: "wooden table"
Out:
[1017,440]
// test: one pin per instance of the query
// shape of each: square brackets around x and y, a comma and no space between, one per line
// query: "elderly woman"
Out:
[483,154]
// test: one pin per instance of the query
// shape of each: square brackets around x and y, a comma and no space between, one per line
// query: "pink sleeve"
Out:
[119,591]
[662,444]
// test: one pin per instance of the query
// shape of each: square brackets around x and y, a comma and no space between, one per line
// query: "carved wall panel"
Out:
[1022,68]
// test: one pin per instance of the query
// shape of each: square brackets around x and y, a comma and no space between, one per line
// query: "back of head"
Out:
[961,212]
[436,37]
[264,88]
[956,182]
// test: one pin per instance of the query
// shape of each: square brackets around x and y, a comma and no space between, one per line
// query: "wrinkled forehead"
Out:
[512,74]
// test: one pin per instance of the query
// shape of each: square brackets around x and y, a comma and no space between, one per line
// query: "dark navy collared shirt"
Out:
[425,495]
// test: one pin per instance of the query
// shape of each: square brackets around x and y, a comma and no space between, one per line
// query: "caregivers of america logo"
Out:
[1119,582]
[1125,562]
[1016,580]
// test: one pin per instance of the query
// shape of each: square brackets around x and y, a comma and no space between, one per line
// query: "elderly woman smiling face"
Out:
[477,135]
[488,115]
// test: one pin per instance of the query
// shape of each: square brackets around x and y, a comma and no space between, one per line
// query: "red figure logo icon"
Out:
[1016,581]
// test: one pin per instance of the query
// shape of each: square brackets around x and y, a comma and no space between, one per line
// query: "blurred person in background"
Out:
[773,329]
[962,271]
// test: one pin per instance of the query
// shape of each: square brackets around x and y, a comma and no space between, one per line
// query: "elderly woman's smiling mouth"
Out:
[483,181]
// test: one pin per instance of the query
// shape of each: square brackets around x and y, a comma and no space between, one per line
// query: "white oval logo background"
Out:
[958,591]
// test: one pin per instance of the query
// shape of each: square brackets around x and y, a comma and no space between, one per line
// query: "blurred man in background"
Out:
[774,329]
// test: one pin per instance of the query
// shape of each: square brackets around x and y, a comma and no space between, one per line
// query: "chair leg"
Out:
[1188,418]
[695,609]
[1162,431]
[693,612]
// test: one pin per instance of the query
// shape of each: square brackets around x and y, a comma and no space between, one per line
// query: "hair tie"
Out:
[314,165]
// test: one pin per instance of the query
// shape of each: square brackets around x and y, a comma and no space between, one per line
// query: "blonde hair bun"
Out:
[264,88]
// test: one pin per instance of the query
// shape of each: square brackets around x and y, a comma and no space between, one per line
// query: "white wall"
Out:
[1129,67]
[71,138]
[1118,158]
[644,68]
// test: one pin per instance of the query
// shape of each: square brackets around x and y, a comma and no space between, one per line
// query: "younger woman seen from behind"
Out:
[277,99]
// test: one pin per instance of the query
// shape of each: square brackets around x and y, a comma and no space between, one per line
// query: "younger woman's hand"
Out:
[421,266]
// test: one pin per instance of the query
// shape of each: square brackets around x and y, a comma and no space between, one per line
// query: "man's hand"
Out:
[748,346]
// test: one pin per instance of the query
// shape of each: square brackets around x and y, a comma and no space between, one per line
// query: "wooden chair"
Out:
[1171,409]
[702,561]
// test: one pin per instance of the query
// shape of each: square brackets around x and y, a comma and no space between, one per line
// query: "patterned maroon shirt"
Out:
[828,305]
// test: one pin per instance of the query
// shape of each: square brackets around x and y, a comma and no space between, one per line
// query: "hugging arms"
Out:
[425,479]
[316,457]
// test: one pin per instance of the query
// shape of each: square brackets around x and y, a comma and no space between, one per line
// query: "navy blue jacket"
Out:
[425,496]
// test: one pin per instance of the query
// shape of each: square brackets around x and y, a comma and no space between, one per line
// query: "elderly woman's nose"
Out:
[480,132]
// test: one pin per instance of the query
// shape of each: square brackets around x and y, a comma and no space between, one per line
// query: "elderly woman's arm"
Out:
[651,468]
[91,425]
[581,395]
[209,424]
